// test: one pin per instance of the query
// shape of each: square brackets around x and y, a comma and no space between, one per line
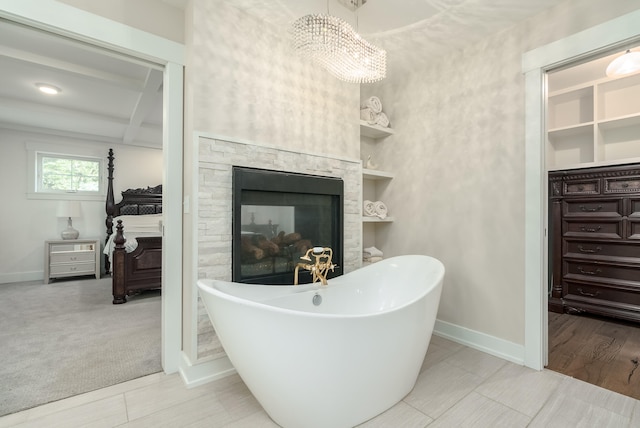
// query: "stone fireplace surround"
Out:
[216,159]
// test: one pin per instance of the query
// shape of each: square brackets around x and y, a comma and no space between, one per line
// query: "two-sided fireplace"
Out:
[277,217]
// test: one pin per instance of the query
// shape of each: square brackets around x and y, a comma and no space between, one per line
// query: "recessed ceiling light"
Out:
[48,89]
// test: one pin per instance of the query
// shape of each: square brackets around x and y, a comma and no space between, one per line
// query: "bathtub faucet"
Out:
[319,267]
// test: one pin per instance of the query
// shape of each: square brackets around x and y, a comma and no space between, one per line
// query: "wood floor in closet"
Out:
[601,351]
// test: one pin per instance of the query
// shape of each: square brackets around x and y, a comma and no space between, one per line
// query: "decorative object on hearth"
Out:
[334,45]
[69,209]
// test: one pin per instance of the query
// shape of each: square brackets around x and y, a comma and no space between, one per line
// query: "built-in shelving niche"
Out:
[594,122]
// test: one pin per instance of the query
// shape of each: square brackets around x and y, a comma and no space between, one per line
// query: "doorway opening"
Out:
[592,159]
[96,34]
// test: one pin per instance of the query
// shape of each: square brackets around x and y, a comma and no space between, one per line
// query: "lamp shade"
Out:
[626,63]
[69,209]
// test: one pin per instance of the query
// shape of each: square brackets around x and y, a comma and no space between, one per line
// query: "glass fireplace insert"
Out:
[277,217]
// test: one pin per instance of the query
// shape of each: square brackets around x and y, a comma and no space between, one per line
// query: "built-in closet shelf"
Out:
[374,131]
[572,130]
[620,122]
[374,174]
[594,123]
[594,164]
[377,219]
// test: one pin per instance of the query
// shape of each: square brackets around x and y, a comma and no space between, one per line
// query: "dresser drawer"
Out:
[611,229]
[588,270]
[622,185]
[634,207]
[590,186]
[629,252]
[585,291]
[73,269]
[633,227]
[54,248]
[72,256]
[591,208]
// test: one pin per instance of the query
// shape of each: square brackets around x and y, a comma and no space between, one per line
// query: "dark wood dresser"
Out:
[594,241]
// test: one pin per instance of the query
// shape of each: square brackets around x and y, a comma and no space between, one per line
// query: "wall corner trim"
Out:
[205,371]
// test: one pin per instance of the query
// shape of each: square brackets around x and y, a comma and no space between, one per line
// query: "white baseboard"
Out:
[482,342]
[6,278]
[204,371]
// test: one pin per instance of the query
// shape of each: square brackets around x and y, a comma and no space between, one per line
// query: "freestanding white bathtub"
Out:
[334,363]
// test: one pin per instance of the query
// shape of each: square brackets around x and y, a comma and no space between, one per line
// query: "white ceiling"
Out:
[105,97]
[109,98]
[406,27]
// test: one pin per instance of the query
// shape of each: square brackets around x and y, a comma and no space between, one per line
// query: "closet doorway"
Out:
[593,166]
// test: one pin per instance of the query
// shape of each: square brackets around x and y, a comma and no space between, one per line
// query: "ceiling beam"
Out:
[89,126]
[146,102]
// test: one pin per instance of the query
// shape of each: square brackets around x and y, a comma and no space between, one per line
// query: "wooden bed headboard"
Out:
[134,201]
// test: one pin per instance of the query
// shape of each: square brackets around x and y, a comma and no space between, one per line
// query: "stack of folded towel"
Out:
[371,112]
[371,255]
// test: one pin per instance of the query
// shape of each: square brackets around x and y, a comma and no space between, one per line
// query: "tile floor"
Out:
[458,387]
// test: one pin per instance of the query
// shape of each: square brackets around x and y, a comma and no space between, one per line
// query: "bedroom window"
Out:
[68,174]
[65,171]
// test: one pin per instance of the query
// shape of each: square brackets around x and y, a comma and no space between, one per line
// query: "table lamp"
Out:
[69,209]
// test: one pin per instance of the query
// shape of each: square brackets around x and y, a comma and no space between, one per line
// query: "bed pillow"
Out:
[140,223]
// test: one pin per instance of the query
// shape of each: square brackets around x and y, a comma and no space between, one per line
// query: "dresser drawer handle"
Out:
[625,185]
[590,210]
[580,188]
[590,229]
[589,272]
[588,250]
[583,293]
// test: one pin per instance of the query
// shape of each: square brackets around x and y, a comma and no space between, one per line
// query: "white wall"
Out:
[458,155]
[244,81]
[167,21]
[27,223]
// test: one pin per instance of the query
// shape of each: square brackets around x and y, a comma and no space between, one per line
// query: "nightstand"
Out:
[72,257]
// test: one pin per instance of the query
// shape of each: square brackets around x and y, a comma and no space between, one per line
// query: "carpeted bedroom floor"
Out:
[66,337]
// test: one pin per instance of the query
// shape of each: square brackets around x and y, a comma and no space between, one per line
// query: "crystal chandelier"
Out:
[334,45]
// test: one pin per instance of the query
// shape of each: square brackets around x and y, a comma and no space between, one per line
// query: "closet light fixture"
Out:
[334,45]
[626,63]
[48,89]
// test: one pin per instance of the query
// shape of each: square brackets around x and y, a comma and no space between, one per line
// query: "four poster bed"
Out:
[134,256]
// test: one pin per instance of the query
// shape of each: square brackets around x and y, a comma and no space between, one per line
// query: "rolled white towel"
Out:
[369,209]
[374,104]
[374,259]
[380,209]
[368,116]
[372,252]
[382,120]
